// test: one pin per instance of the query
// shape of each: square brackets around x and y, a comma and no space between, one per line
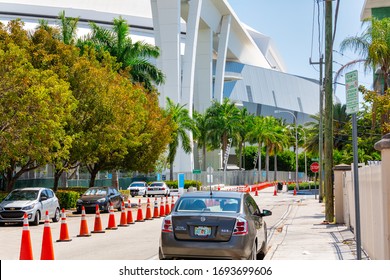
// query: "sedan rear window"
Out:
[208,204]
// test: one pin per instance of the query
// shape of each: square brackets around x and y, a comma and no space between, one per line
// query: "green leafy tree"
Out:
[34,105]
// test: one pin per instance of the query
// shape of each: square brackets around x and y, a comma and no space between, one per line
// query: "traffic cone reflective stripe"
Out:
[140,215]
[26,252]
[162,208]
[148,211]
[129,215]
[84,232]
[111,219]
[64,233]
[47,252]
[123,221]
[98,228]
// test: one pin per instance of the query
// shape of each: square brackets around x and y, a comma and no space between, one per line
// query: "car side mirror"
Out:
[43,198]
[265,213]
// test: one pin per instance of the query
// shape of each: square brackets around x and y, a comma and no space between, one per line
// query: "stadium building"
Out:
[206,53]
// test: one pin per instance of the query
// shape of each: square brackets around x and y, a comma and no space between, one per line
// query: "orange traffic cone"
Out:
[84,232]
[167,208]
[26,252]
[148,211]
[155,211]
[64,233]
[256,192]
[275,191]
[295,191]
[123,221]
[129,215]
[162,208]
[140,215]
[47,252]
[111,219]
[98,228]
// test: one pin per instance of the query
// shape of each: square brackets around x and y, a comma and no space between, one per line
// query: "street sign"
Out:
[314,167]
[352,92]
[196,171]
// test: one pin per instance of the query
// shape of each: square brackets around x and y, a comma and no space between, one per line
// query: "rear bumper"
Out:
[237,248]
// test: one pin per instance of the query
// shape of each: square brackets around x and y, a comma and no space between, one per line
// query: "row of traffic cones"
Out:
[126,219]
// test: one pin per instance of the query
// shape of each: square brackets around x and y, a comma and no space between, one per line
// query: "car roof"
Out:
[215,194]
[30,189]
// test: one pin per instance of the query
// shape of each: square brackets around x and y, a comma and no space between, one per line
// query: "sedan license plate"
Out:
[202,231]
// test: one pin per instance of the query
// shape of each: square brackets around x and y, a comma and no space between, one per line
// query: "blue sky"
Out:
[290,24]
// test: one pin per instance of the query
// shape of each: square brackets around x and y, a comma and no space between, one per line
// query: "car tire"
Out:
[56,217]
[37,218]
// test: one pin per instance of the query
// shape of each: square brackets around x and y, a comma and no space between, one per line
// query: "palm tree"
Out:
[133,57]
[373,46]
[279,144]
[246,124]
[256,136]
[224,120]
[201,135]
[182,123]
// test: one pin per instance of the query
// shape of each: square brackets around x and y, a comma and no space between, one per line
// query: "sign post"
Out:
[352,97]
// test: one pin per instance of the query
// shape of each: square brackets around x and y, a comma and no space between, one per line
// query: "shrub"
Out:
[67,198]
[187,184]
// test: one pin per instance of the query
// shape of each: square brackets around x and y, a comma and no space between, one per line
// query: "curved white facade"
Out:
[206,53]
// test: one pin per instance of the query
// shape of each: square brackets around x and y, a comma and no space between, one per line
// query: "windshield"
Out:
[137,185]
[22,195]
[96,192]
[208,204]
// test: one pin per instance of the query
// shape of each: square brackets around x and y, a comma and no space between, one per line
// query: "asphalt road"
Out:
[138,241]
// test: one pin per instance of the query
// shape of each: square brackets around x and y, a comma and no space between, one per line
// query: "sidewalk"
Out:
[302,234]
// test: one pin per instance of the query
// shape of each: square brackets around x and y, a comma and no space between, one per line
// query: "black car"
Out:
[218,225]
[101,196]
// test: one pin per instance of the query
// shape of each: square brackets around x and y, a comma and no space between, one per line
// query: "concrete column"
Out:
[339,171]
[166,24]
[384,147]
[221,59]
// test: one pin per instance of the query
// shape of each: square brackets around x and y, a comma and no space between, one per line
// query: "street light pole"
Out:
[296,148]
[304,140]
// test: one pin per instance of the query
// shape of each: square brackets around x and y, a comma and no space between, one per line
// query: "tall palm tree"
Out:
[182,124]
[224,120]
[201,135]
[134,57]
[279,144]
[256,135]
[242,134]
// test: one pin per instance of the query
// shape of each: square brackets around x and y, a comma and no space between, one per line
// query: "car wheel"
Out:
[36,219]
[56,217]
[120,206]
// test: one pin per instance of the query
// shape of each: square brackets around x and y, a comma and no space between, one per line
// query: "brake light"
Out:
[167,224]
[241,227]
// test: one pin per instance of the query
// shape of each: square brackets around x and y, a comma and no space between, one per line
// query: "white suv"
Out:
[158,188]
[138,188]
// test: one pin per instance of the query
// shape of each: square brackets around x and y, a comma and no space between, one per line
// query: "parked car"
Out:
[33,201]
[138,188]
[158,188]
[101,196]
[218,225]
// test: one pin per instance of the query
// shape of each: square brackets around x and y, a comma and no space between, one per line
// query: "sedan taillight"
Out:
[167,224]
[241,227]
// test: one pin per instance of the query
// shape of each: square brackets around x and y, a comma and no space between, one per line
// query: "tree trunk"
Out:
[57,176]
[275,166]
[266,164]
[204,157]
[259,160]
[115,179]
